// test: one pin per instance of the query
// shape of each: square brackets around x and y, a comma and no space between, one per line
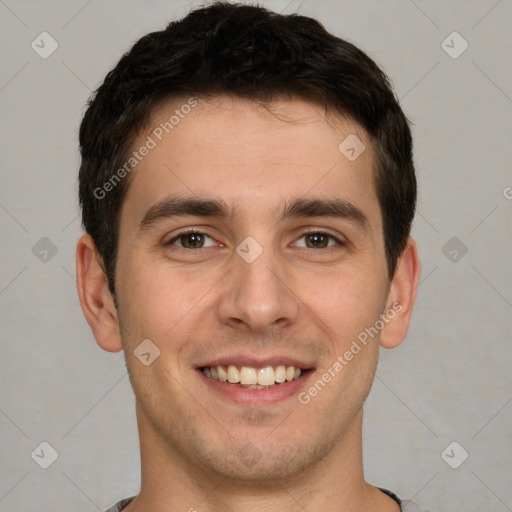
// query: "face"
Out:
[248,241]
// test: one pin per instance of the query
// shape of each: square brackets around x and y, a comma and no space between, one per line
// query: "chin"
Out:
[262,463]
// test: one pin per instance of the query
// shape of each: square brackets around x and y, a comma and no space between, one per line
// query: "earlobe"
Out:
[401,296]
[95,298]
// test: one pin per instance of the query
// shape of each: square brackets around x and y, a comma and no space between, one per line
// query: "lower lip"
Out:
[256,397]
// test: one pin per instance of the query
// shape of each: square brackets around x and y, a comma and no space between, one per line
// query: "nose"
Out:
[258,296]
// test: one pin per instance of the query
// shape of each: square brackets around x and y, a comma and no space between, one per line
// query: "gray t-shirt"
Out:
[405,505]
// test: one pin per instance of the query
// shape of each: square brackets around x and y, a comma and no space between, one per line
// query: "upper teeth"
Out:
[247,375]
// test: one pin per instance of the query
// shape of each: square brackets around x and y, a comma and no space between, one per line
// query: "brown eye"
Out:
[318,240]
[191,240]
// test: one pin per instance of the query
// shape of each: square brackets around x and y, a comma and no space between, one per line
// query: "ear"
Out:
[95,297]
[401,296]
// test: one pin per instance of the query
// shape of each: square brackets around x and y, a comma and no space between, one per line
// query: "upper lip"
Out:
[258,362]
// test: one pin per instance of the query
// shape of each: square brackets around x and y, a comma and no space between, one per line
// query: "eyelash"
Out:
[195,231]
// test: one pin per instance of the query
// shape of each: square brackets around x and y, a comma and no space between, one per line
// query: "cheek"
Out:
[349,301]
[156,298]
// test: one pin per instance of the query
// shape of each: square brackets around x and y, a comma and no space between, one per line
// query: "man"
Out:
[247,190]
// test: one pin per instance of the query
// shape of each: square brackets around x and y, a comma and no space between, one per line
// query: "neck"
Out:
[333,484]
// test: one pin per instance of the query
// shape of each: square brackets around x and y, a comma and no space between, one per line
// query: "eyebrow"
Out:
[300,207]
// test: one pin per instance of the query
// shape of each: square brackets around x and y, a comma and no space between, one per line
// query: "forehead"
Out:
[255,157]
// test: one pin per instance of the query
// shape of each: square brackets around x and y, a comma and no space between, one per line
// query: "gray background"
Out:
[451,379]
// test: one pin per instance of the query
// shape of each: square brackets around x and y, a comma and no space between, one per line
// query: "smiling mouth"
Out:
[254,378]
